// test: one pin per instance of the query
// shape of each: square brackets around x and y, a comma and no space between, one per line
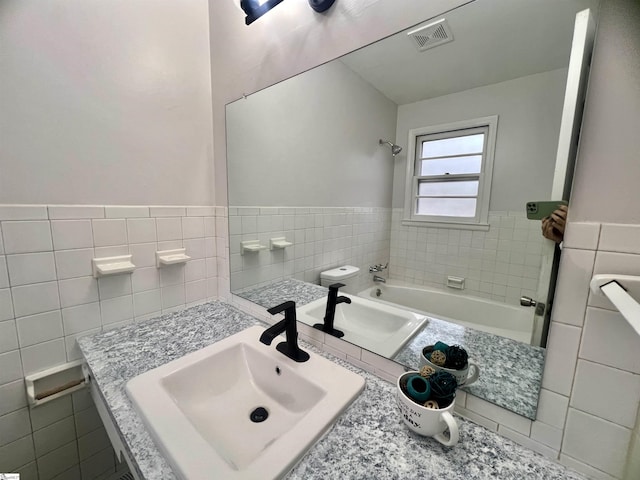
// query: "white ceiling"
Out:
[494,41]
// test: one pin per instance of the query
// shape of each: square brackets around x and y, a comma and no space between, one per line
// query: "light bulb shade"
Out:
[321,5]
[254,10]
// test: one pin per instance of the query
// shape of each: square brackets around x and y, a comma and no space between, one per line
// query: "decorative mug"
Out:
[462,376]
[425,421]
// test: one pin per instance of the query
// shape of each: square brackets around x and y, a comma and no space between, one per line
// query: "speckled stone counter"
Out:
[511,371]
[368,441]
[288,289]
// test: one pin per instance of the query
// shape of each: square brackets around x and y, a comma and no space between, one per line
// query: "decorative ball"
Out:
[457,357]
[418,389]
[432,404]
[438,358]
[443,387]
[441,346]
[426,371]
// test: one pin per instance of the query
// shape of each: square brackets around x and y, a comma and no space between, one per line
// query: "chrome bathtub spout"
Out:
[378,278]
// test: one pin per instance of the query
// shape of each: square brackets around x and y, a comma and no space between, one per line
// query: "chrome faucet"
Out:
[289,326]
[332,301]
[378,278]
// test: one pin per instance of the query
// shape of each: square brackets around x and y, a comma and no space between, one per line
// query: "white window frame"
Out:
[480,221]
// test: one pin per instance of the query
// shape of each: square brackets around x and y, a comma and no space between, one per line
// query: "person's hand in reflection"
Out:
[553,225]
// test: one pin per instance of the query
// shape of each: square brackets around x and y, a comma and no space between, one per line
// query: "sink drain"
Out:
[260,414]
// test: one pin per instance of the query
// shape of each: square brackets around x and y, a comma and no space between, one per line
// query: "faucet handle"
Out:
[336,286]
[283,307]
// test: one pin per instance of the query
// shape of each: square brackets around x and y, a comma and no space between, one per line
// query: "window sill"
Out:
[484,227]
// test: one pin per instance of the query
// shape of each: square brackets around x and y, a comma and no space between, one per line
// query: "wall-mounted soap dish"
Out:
[52,383]
[279,242]
[251,246]
[171,257]
[104,266]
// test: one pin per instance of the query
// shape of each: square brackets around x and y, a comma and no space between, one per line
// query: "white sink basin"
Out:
[377,327]
[198,407]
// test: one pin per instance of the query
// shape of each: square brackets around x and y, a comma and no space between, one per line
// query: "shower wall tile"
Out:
[323,238]
[74,212]
[49,298]
[74,263]
[70,234]
[596,442]
[582,235]
[8,336]
[111,232]
[141,230]
[501,264]
[39,328]
[27,237]
[126,212]
[606,331]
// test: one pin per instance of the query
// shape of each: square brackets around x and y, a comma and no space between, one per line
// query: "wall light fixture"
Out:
[254,9]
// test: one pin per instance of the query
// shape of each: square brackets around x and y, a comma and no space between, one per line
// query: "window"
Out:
[449,179]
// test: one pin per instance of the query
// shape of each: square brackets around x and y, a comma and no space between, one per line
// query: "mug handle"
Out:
[453,431]
[474,376]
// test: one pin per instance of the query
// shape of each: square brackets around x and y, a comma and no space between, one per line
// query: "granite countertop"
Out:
[275,293]
[368,441]
[511,371]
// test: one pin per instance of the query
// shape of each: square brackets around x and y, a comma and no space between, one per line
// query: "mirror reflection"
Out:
[402,171]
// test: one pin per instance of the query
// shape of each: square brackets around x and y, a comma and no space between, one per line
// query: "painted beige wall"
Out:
[321,129]
[529,111]
[105,102]
[293,38]
[607,172]
[606,183]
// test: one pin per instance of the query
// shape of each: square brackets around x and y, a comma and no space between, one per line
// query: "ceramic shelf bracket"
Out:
[171,257]
[105,266]
[278,243]
[52,383]
[251,246]
[619,290]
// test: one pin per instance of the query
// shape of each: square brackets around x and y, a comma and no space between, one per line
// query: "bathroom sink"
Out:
[377,327]
[239,409]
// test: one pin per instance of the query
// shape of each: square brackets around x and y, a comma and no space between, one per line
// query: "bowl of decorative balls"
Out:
[451,359]
[426,400]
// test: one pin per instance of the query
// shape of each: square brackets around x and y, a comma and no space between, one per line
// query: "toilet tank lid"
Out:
[340,273]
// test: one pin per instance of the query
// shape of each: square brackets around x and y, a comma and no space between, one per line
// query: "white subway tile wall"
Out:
[323,238]
[40,321]
[605,369]
[501,264]
[592,347]
[48,298]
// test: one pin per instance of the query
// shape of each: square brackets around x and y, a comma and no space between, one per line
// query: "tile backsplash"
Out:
[323,238]
[501,264]
[587,414]
[48,298]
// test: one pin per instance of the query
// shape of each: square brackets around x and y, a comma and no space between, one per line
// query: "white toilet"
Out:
[346,274]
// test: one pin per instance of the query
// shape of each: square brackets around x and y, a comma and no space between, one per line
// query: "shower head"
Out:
[395,149]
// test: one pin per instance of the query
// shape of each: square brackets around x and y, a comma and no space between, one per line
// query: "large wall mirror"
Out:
[312,188]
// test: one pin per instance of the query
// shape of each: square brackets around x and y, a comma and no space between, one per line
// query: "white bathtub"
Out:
[489,316]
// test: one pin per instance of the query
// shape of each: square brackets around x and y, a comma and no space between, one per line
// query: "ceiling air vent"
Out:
[432,35]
